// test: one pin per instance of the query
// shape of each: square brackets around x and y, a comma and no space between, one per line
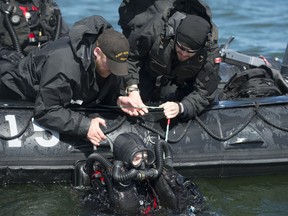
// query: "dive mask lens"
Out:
[140,156]
[137,158]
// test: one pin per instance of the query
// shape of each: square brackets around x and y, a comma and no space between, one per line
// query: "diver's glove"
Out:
[10,55]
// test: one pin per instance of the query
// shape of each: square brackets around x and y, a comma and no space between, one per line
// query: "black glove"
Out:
[11,56]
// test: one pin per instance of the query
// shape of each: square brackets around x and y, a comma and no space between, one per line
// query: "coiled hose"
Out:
[10,29]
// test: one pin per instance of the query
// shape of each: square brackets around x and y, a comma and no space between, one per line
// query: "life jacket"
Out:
[176,192]
[161,59]
[34,23]
[160,63]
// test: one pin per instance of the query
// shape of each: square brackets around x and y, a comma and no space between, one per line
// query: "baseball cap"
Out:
[116,48]
[192,32]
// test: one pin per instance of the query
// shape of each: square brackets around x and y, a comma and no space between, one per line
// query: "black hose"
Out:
[284,65]
[99,158]
[162,144]
[107,166]
[11,30]
[159,156]
[59,23]
[162,134]
[20,133]
[109,186]
[160,147]
[122,177]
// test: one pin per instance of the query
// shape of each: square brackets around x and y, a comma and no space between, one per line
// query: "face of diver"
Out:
[101,63]
[184,53]
[139,158]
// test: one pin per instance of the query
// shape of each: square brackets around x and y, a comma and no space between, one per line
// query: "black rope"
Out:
[267,121]
[228,137]
[124,118]
[162,134]
[20,133]
[255,112]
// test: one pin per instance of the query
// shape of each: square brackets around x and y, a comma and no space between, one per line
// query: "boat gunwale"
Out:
[221,104]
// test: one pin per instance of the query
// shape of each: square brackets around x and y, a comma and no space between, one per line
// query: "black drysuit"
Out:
[152,62]
[61,73]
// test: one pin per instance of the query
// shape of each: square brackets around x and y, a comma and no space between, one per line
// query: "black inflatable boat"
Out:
[240,137]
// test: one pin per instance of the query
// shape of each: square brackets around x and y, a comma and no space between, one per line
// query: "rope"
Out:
[20,133]
[254,113]
[162,134]
[228,137]
[124,118]
[267,121]
[165,134]
[131,107]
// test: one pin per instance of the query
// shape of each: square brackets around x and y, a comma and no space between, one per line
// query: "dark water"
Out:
[260,27]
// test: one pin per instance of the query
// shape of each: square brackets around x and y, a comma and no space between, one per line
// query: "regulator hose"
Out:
[159,147]
[99,158]
[132,174]
[107,166]
[59,23]
[10,28]
[122,177]
[159,156]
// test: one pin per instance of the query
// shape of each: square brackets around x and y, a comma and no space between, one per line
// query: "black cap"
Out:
[192,32]
[116,48]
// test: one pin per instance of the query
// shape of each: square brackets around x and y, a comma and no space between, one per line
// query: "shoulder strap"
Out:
[134,14]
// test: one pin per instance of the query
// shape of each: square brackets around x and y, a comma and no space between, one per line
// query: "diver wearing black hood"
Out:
[140,180]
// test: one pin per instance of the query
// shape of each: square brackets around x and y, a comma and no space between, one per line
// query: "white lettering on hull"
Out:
[40,138]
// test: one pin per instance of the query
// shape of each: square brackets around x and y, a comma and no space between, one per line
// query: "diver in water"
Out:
[141,180]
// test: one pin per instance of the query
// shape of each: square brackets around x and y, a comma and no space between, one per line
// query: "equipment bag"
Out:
[252,83]
[178,193]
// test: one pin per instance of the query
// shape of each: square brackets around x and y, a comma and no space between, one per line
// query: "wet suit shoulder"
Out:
[142,40]
[143,21]
[133,14]
[69,76]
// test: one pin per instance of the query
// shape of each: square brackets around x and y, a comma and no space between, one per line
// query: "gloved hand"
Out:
[11,56]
